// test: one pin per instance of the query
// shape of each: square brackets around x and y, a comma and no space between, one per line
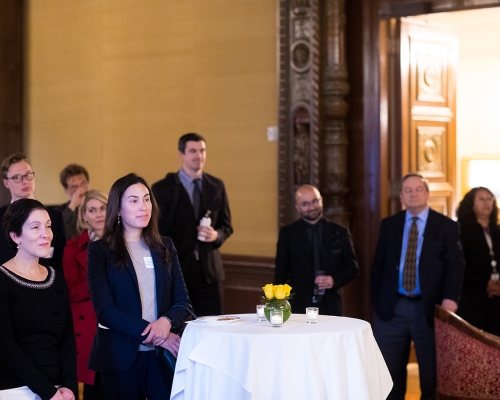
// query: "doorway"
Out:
[477,102]
[477,114]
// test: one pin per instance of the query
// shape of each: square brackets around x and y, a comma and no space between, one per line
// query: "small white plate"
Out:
[218,319]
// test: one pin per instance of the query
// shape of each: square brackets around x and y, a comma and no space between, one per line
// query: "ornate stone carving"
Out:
[313,138]
[301,57]
[335,88]
[301,147]
[302,29]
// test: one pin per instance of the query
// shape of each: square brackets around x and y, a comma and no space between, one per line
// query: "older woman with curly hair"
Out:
[480,236]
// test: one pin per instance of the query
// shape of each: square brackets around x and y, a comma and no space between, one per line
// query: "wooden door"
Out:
[421,89]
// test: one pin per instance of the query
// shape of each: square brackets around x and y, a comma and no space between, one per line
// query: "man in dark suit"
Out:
[418,263]
[314,256]
[20,180]
[184,198]
[75,180]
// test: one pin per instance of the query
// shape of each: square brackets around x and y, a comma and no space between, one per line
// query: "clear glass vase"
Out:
[282,305]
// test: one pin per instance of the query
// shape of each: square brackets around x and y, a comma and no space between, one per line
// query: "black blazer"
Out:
[294,264]
[182,228]
[441,264]
[58,241]
[117,303]
[477,258]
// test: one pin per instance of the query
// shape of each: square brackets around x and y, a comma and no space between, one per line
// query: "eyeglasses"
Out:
[19,178]
[313,202]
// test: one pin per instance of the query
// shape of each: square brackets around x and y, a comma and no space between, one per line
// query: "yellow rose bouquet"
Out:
[276,298]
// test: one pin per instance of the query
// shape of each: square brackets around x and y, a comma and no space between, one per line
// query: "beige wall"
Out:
[113,84]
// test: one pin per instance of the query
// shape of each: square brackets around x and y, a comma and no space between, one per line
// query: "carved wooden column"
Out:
[334,89]
[299,101]
[313,85]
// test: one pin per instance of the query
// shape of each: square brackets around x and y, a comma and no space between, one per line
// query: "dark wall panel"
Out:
[11,81]
[245,277]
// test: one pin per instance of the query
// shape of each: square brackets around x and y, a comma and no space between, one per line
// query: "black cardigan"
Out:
[37,346]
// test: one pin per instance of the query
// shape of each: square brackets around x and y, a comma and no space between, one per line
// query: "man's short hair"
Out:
[72,170]
[189,137]
[12,159]
[414,175]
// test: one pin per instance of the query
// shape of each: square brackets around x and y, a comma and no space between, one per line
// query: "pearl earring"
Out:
[119,220]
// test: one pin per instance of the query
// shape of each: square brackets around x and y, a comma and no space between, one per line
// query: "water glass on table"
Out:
[261,316]
[312,315]
[276,317]
[318,293]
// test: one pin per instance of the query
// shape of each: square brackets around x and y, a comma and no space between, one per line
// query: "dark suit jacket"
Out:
[117,303]
[294,264]
[58,241]
[477,258]
[182,229]
[441,264]
[70,218]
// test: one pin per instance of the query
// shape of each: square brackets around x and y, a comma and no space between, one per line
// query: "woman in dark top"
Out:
[37,344]
[138,293]
[480,236]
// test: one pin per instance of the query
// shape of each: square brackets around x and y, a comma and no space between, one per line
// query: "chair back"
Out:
[468,359]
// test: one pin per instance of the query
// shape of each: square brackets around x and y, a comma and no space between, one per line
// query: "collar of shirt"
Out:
[422,217]
[187,182]
[311,228]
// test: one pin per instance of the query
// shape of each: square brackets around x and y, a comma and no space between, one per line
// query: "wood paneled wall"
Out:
[245,276]
[11,81]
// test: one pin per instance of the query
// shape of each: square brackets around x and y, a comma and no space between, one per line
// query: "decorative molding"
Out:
[431,158]
[335,88]
[431,74]
[312,106]
[285,204]
[406,8]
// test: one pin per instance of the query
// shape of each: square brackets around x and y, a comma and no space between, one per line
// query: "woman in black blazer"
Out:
[480,236]
[138,294]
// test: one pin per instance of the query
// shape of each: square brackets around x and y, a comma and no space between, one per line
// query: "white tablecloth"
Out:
[336,358]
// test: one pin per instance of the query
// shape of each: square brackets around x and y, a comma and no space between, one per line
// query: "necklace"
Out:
[30,284]
[494,273]
[23,273]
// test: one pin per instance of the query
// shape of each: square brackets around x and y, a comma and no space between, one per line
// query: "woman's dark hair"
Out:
[465,210]
[114,232]
[16,215]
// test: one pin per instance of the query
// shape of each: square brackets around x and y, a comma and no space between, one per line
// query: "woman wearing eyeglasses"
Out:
[90,224]
[480,236]
[138,293]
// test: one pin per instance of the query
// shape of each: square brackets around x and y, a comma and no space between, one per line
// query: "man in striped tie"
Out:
[418,263]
